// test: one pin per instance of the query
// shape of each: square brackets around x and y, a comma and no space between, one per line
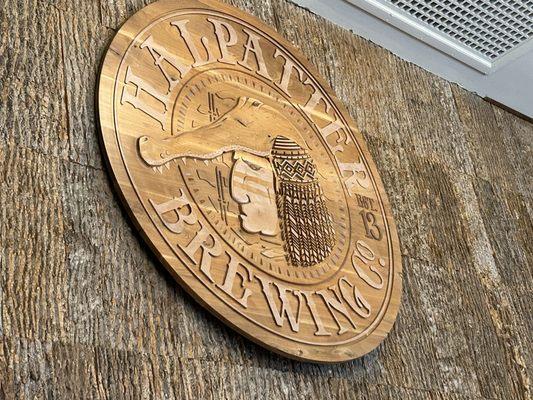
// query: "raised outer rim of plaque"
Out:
[117,170]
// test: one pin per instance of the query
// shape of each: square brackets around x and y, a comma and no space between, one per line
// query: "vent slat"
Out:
[489,28]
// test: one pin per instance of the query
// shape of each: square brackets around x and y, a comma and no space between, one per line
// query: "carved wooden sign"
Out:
[249,180]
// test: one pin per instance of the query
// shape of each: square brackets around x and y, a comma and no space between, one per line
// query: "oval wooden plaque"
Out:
[249,180]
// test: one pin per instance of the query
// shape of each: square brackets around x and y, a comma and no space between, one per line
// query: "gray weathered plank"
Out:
[87,312]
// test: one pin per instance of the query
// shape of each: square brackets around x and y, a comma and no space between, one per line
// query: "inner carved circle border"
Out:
[332,271]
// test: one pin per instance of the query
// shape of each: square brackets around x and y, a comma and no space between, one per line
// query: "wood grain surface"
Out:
[86,312]
[249,180]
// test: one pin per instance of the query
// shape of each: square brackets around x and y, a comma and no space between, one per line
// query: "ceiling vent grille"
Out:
[482,33]
[489,27]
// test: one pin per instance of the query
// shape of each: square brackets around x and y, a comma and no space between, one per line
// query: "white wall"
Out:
[510,85]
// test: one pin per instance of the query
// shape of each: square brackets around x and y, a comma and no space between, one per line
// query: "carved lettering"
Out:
[231,273]
[253,46]
[365,202]
[364,254]
[334,127]
[210,247]
[285,309]
[180,208]
[357,174]
[334,304]
[199,60]
[320,331]
[288,68]
[221,28]
[141,102]
[161,54]
[314,100]
[354,298]
[372,230]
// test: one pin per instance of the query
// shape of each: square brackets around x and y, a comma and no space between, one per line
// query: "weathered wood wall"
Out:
[86,312]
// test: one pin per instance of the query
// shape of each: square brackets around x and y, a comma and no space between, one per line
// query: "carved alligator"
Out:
[306,225]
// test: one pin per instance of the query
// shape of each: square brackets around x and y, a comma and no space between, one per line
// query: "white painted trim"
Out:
[518,51]
[510,81]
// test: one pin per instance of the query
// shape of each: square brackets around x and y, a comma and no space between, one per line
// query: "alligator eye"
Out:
[143,139]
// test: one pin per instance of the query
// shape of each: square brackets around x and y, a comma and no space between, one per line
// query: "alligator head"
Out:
[305,223]
[248,127]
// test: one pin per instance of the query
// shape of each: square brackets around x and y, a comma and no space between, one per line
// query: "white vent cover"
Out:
[484,34]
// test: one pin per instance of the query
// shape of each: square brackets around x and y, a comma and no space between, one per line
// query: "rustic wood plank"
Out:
[33,111]
[33,274]
[85,310]
[498,145]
